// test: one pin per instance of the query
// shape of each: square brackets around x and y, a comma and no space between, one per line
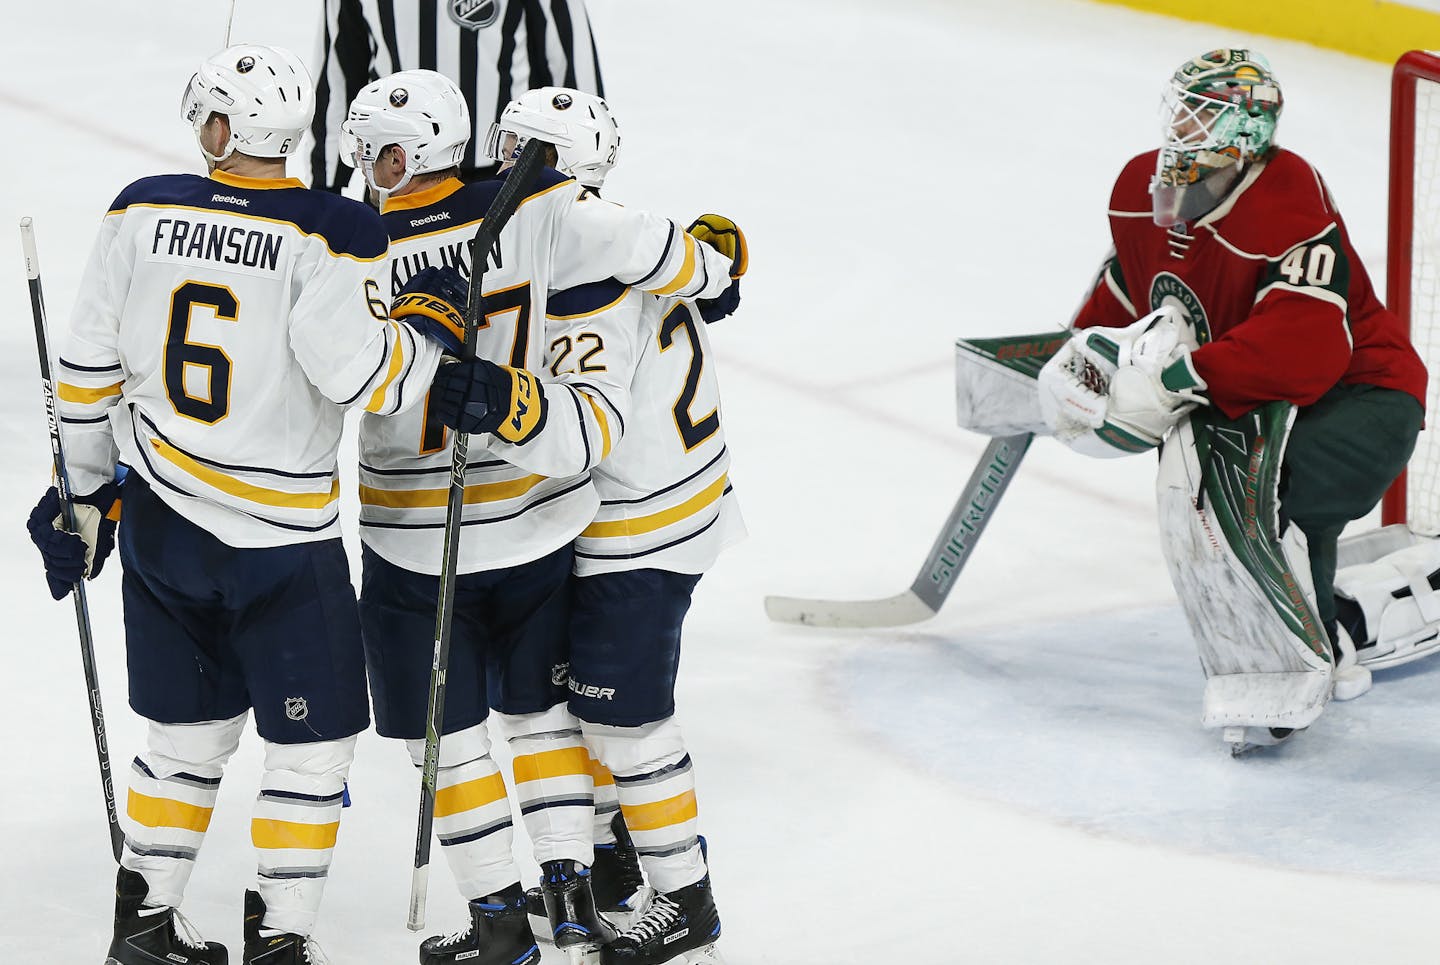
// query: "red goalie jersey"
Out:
[1282,306]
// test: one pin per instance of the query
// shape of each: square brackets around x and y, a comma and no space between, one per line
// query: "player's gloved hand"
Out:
[720,233]
[433,303]
[1158,385]
[722,305]
[69,556]
[479,396]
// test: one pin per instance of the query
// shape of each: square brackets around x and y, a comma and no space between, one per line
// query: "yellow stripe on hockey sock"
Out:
[164,812]
[563,762]
[469,795]
[270,833]
[600,774]
[687,268]
[660,814]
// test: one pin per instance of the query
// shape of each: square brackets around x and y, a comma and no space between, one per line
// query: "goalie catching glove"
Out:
[1113,392]
[69,556]
[433,303]
[722,234]
[479,396]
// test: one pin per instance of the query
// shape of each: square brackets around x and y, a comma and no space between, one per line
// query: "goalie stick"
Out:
[946,559]
[67,511]
[502,207]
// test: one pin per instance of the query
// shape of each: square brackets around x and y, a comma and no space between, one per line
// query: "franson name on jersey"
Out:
[228,244]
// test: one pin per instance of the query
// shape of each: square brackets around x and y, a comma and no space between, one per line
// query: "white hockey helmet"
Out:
[265,92]
[586,139]
[421,111]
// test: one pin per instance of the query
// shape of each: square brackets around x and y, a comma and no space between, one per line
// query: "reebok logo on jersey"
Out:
[437,216]
[230,199]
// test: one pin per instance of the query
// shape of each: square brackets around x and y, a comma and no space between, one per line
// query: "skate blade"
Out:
[582,954]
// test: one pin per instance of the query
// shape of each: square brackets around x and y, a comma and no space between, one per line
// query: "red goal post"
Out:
[1412,278]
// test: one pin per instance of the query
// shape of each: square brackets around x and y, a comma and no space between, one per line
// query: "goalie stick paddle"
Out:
[67,511]
[512,192]
[946,559]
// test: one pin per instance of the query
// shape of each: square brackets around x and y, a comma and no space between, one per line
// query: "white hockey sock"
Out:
[656,787]
[173,786]
[472,813]
[296,822]
[553,783]
[607,804]
[658,801]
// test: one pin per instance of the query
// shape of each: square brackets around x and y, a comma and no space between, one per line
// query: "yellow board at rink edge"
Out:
[1366,28]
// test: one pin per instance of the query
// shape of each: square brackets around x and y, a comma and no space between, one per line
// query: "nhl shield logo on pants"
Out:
[296,708]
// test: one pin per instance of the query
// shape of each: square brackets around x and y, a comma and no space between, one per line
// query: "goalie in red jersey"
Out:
[1247,324]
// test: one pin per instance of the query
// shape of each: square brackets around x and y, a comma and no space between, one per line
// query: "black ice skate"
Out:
[575,924]
[266,946]
[616,880]
[157,933]
[499,934]
[680,927]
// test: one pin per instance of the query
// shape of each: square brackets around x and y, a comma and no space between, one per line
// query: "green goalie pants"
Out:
[1344,452]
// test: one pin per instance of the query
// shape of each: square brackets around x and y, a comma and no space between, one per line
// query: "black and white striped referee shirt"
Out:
[494,50]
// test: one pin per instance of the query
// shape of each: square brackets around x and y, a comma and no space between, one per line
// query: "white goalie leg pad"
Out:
[655,782]
[1397,602]
[1264,654]
[551,767]
[296,823]
[173,786]
[472,812]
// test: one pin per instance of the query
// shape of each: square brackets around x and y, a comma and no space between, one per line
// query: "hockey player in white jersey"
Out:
[667,509]
[222,325]
[559,332]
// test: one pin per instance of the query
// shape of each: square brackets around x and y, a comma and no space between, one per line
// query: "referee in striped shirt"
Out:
[494,50]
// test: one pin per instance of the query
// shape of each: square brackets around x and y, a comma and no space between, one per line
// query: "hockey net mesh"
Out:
[1421,276]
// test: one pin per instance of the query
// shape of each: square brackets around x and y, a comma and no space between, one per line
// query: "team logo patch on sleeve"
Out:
[474,14]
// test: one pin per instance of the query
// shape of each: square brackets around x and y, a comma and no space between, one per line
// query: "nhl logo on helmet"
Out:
[399,97]
[561,102]
[245,64]
[474,14]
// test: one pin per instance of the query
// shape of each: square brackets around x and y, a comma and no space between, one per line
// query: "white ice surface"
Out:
[1023,779]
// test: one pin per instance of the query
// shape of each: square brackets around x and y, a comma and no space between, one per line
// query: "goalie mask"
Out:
[265,92]
[1219,112]
[421,111]
[578,124]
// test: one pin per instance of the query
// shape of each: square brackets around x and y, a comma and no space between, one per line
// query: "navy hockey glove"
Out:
[433,303]
[480,396]
[70,556]
[722,305]
[720,233]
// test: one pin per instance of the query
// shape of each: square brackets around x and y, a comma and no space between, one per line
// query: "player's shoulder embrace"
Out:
[349,227]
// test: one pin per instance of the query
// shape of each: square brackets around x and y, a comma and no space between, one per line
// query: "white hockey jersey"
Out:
[552,307]
[666,499]
[222,324]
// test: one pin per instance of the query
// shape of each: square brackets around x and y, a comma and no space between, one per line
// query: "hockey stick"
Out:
[67,512]
[511,193]
[946,559]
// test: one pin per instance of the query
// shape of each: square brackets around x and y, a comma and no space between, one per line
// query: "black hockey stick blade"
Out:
[947,557]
